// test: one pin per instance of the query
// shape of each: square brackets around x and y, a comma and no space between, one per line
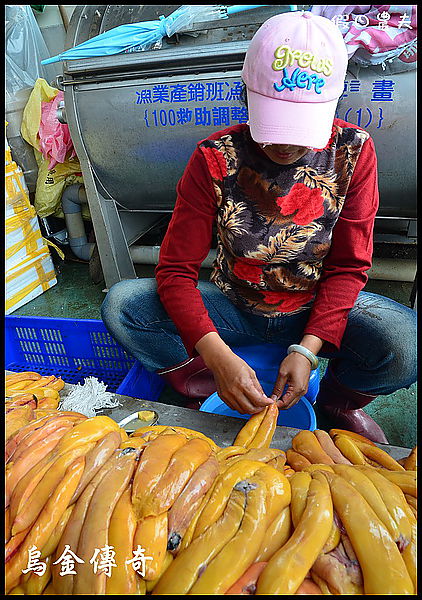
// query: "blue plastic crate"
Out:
[70,348]
[140,383]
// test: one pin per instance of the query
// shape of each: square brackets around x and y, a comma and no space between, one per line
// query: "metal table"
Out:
[221,429]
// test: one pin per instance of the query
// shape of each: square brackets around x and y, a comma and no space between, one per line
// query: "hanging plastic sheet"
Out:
[25,49]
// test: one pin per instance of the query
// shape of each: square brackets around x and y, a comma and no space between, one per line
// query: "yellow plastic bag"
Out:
[31,116]
[50,183]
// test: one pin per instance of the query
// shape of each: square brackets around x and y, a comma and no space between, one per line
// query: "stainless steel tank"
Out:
[135,119]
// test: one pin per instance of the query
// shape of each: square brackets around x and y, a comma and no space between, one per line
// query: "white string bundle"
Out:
[89,397]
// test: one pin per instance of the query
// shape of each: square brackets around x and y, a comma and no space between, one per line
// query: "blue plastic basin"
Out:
[266,359]
[300,416]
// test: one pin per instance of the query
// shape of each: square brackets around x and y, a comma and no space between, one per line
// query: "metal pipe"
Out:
[382,268]
[72,198]
[64,17]
[393,269]
[148,255]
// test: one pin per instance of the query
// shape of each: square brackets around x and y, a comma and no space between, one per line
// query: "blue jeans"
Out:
[377,353]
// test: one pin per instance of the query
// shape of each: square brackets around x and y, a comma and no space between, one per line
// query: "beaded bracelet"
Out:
[305,352]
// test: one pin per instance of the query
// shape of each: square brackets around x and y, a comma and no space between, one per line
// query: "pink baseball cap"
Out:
[294,73]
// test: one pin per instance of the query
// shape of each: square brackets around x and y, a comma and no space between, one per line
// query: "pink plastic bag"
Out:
[375,32]
[55,141]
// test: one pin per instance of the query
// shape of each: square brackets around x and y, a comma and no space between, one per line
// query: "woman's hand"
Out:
[237,383]
[238,386]
[294,371]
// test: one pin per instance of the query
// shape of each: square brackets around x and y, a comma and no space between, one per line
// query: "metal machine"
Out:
[135,120]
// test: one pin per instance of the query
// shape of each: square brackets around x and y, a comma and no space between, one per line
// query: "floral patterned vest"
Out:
[274,222]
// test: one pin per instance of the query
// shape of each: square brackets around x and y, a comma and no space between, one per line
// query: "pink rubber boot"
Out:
[192,379]
[344,407]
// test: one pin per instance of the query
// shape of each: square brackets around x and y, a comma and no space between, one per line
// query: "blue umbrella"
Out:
[144,36]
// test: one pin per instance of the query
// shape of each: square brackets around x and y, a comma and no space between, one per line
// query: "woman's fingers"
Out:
[255,393]
[290,398]
[246,399]
[239,401]
[294,371]
[238,386]
[279,386]
[245,406]
[250,395]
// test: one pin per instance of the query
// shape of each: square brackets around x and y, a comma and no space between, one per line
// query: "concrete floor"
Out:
[75,296]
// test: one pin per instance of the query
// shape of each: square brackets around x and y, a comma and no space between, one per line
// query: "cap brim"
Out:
[277,121]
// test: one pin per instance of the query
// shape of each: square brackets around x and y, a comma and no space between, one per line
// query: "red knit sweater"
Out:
[341,274]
